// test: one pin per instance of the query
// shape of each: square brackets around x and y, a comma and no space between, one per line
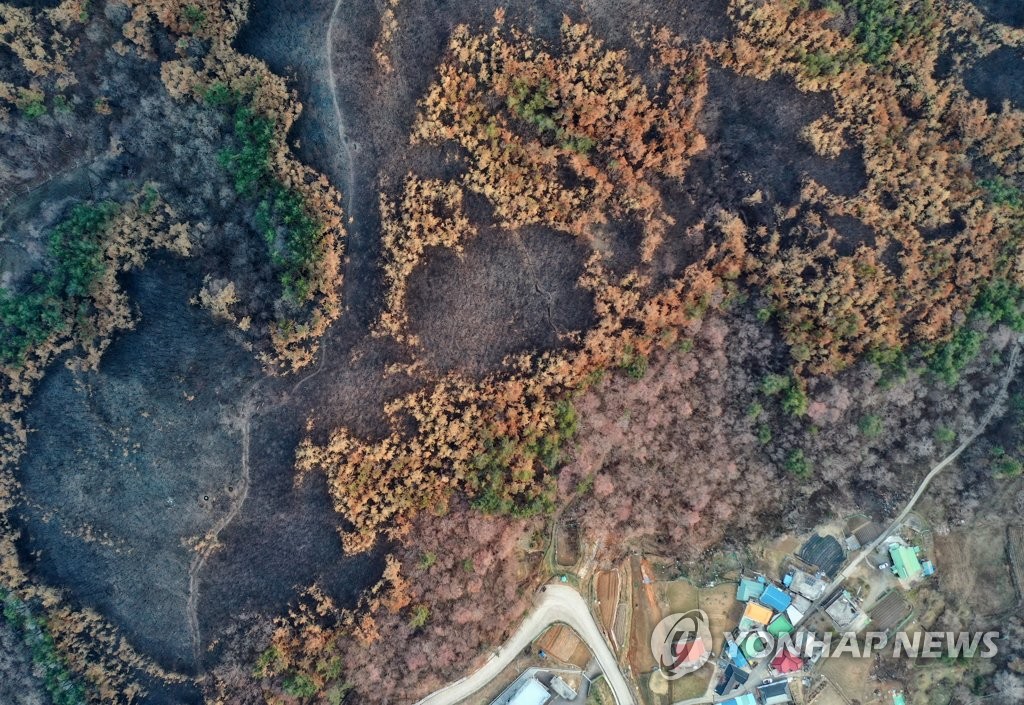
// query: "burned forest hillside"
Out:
[318,319]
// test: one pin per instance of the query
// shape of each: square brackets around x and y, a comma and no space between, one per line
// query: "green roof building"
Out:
[780,625]
[905,563]
[749,589]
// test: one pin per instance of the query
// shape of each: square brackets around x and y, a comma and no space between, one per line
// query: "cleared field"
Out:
[851,676]
[606,583]
[972,565]
[679,595]
[827,696]
[692,685]
[567,543]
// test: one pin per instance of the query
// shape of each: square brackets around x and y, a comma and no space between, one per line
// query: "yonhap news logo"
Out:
[681,643]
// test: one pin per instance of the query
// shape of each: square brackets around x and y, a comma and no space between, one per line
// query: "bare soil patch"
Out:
[607,586]
[561,642]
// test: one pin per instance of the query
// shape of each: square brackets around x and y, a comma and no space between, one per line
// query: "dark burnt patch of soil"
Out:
[133,463]
[34,4]
[947,231]
[754,144]
[852,234]
[290,37]
[507,293]
[1008,12]
[998,77]
[693,20]
[285,539]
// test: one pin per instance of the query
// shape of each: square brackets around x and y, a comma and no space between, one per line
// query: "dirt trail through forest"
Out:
[250,406]
[343,141]
[211,540]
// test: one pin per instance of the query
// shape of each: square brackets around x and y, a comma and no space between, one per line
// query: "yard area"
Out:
[723,611]
[972,565]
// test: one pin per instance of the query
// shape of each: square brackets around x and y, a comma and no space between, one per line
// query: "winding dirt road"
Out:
[557,604]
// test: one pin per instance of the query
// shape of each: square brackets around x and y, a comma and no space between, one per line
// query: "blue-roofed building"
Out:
[775,598]
[776,693]
[928,567]
[735,654]
[732,679]
[788,580]
[749,589]
[745,699]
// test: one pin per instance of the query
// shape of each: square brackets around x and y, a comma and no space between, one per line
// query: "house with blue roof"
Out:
[735,655]
[775,598]
[732,679]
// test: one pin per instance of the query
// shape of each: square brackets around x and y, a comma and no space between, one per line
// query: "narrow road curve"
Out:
[993,409]
[211,540]
[558,603]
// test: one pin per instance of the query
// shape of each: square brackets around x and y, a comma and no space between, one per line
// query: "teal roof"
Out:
[899,699]
[905,562]
[749,590]
[745,699]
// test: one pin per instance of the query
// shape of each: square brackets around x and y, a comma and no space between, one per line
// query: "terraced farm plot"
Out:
[562,643]
[890,612]
[606,584]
